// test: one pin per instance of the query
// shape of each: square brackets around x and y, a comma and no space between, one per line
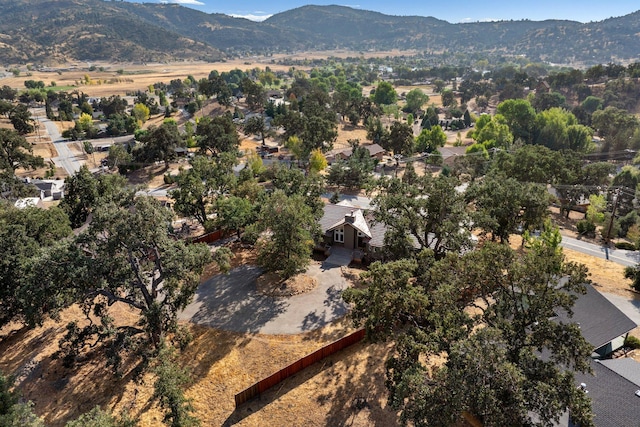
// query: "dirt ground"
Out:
[221,363]
[118,79]
[224,363]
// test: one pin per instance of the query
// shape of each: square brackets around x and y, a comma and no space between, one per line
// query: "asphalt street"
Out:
[66,159]
[619,256]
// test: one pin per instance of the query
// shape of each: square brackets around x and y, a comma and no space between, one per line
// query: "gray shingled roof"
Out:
[600,321]
[626,368]
[373,149]
[332,215]
[357,221]
[614,402]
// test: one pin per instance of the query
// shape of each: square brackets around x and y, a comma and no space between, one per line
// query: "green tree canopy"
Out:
[25,234]
[217,135]
[140,112]
[234,213]
[256,125]
[430,139]
[199,186]
[127,256]
[554,126]
[494,133]
[292,227]
[20,118]
[160,142]
[415,99]
[16,152]
[504,205]
[616,126]
[399,140]
[254,93]
[427,212]
[385,94]
[489,314]
[520,116]
[353,172]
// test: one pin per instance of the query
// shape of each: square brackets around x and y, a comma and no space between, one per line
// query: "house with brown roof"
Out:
[375,152]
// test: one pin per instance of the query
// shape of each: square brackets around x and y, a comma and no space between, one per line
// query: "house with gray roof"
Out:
[602,324]
[614,390]
[347,226]
[612,387]
[50,189]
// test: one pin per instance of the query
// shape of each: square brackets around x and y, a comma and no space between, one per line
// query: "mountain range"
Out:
[55,31]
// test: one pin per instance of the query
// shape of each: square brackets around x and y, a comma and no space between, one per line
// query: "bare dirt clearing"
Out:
[108,79]
[222,364]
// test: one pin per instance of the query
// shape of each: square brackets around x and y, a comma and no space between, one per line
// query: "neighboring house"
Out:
[543,87]
[602,324]
[51,189]
[614,390]
[345,225]
[275,94]
[103,144]
[614,387]
[375,152]
[450,154]
[181,151]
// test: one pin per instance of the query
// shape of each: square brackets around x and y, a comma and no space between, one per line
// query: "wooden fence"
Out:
[297,366]
[209,237]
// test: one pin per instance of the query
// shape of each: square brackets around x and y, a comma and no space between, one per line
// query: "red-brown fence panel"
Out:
[209,237]
[297,366]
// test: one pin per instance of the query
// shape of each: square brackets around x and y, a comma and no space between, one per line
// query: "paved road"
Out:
[155,192]
[629,305]
[620,256]
[66,159]
[231,302]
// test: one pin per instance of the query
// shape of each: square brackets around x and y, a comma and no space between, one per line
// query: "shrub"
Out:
[626,245]
[168,179]
[633,274]
[632,342]
[586,227]
[168,389]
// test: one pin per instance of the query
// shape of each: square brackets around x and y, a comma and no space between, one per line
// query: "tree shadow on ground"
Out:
[334,308]
[59,392]
[349,385]
[230,302]
[354,388]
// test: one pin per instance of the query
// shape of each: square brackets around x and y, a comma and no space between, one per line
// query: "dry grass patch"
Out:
[222,364]
[271,284]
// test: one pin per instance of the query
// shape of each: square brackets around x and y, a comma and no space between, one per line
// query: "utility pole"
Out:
[616,197]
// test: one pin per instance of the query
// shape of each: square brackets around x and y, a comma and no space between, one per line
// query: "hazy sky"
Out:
[458,11]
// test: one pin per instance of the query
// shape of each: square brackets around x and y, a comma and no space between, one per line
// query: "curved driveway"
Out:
[231,302]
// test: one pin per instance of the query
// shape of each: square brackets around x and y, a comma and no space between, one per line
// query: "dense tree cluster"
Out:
[488,315]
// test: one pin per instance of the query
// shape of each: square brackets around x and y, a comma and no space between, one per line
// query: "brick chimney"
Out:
[350,218]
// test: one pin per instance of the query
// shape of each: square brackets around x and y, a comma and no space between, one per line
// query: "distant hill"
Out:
[44,31]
